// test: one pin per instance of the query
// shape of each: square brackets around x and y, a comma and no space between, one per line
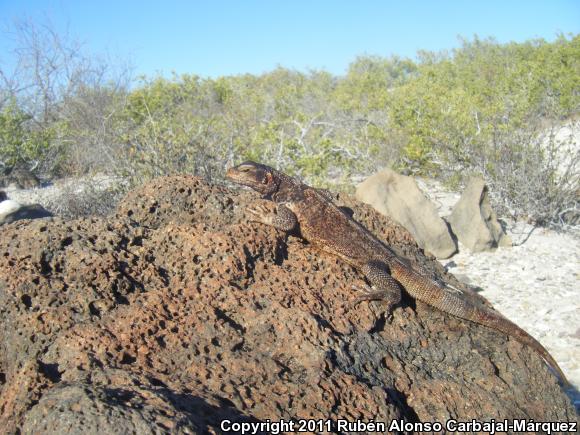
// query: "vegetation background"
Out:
[483,108]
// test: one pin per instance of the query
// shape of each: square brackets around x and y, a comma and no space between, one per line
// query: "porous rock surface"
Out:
[399,197]
[177,313]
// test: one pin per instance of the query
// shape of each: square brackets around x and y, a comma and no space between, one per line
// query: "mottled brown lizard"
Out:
[312,214]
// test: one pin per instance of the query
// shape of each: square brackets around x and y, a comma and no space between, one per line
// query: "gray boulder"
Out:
[474,222]
[11,211]
[399,197]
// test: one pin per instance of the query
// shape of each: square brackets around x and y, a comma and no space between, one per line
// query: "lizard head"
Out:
[259,177]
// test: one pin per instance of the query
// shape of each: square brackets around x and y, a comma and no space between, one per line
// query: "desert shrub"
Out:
[484,108]
[536,174]
[57,104]
[491,109]
[19,143]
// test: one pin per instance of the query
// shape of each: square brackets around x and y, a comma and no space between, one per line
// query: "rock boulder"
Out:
[399,197]
[474,222]
[11,211]
[177,313]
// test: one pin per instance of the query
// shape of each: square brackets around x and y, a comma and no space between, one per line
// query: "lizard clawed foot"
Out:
[370,294]
[260,213]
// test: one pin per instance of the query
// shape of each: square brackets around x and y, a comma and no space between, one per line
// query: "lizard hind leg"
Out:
[384,286]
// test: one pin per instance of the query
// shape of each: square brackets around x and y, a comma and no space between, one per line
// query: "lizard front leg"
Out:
[281,218]
[384,286]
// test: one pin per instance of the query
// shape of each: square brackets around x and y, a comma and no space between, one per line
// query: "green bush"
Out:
[481,108]
[19,143]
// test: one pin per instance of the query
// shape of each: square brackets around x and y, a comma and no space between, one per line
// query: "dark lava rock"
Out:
[176,314]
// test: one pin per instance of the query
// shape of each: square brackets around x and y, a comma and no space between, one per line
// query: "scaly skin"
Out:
[311,213]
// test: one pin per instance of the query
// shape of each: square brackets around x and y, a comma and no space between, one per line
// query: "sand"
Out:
[536,285]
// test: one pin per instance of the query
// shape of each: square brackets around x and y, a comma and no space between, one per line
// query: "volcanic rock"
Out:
[177,313]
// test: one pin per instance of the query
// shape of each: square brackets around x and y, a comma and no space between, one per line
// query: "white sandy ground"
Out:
[536,284]
[48,195]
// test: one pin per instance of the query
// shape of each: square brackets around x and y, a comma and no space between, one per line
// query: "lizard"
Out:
[313,216]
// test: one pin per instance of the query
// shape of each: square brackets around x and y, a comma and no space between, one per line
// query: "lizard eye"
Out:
[267,178]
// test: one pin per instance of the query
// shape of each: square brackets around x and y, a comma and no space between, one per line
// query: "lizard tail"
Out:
[434,295]
[497,321]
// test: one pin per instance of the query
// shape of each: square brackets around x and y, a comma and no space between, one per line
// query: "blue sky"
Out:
[214,38]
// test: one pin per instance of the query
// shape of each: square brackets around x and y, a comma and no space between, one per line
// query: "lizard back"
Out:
[330,229]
